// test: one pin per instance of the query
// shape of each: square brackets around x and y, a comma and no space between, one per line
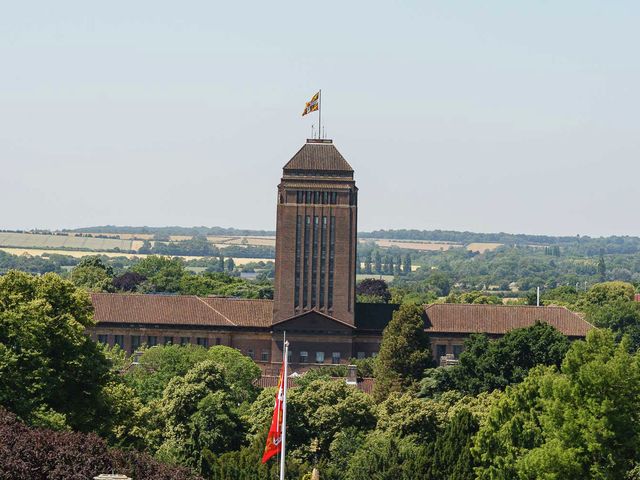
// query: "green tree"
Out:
[158,365]
[93,274]
[397,268]
[602,267]
[50,371]
[486,365]
[323,409]
[163,274]
[404,352]
[451,452]
[378,262]
[231,265]
[200,418]
[367,263]
[406,266]
[384,456]
[579,422]
[403,415]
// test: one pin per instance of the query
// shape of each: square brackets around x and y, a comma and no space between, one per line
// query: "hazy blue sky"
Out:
[517,116]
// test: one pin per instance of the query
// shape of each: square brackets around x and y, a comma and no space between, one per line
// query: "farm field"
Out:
[483,247]
[36,240]
[36,252]
[413,244]
[217,240]
[431,246]
[364,276]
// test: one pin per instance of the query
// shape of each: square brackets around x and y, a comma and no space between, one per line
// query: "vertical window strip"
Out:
[314,262]
[332,245]
[305,265]
[323,259]
[296,293]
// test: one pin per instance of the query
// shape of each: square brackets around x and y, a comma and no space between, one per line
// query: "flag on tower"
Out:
[312,105]
[274,438]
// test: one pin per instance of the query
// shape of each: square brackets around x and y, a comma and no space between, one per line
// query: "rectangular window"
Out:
[250,353]
[299,196]
[360,355]
[289,355]
[308,197]
[152,340]
[304,357]
[457,350]
[335,358]
[202,341]
[265,356]
[319,357]
[135,342]
[103,339]
[218,341]
[441,351]
[168,340]
[118,340]
[185,340]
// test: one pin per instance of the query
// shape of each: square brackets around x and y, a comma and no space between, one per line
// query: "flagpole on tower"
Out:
[285,352]
[320,114]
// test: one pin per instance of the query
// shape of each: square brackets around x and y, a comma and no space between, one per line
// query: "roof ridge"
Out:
[215,310]
[318,312]
[487,305]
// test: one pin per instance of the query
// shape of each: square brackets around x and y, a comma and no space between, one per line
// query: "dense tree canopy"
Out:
[486,365]
[50,371]
[578,422]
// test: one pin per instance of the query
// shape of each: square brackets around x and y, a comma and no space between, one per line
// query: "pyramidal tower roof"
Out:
[318,155]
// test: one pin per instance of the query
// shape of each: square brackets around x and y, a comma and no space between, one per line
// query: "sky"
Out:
[491,116]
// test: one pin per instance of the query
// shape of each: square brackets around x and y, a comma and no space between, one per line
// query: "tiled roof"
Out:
[499,319]
[181,310]
[318,156]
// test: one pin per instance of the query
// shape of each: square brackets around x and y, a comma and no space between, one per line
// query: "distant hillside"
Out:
[579,244]
[173,230]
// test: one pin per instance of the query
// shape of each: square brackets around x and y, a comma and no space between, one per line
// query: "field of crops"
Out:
[217,240]
[413,244]
[33,240]
[483,247]
[37,252]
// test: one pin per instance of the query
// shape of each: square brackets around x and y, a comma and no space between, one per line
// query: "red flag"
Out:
[274,439]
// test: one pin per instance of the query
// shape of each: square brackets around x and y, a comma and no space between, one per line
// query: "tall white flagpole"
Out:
[285,352]
[319,113]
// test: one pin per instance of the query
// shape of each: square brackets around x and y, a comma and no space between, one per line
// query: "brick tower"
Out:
[316,235]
